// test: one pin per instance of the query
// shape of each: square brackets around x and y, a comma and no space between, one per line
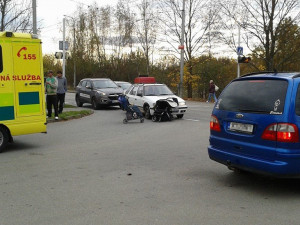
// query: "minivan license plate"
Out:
[241,127]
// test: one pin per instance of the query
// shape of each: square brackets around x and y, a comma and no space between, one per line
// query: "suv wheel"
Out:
[147,112]
[95,104]
[78,102]
[4,137]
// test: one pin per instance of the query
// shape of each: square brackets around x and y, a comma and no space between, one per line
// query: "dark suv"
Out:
[98,92]
[255,124]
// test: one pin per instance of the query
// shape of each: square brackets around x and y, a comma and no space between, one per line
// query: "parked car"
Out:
[98,92]
[123,84]
[145,96]
[255,124]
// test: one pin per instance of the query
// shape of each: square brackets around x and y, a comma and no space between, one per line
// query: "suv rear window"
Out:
[254,96]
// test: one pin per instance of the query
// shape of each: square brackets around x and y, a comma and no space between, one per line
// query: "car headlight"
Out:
[181,103]
[101,93]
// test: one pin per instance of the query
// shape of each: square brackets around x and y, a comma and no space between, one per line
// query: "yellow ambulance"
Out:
[22,98]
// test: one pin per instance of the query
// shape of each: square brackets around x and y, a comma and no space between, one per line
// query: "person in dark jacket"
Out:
[212,91]
[61,91]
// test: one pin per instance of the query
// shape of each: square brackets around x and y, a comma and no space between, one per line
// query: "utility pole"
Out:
[64,47]
[182,50]
[74,58]
[34,16]
[74,49]
[239,44]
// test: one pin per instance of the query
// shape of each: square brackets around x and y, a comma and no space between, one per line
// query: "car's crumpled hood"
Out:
[111,90]
[153,99]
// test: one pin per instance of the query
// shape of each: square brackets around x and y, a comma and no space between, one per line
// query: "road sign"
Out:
[239,50]
[61,45]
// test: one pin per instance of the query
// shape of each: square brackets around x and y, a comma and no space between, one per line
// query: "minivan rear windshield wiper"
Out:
[253,111]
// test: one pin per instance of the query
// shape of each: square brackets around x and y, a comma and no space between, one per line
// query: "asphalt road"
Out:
[97,170]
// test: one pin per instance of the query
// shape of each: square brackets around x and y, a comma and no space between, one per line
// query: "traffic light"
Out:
[58,55]
[243,59]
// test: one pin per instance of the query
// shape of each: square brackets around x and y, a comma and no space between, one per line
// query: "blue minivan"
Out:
[255,124]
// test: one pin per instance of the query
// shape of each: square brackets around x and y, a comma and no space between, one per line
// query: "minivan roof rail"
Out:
[289,74]
[261,72]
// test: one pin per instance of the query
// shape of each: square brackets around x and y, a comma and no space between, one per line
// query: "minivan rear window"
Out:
[254,96]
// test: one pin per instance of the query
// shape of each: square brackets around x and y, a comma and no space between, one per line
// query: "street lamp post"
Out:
[34,28]
[239,44]
[64,47]
[74,43]
[182,51]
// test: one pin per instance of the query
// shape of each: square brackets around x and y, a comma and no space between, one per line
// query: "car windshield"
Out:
[156,90]
[254,96]
[100,84]
[124,86]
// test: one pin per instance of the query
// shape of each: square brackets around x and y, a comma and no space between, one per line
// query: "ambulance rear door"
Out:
[28,78]
[7,109]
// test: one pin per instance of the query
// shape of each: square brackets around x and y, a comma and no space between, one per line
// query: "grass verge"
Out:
[71,115]
[74,114]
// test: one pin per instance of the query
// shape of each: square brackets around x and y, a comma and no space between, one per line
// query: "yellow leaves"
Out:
[188,78]
[262,68]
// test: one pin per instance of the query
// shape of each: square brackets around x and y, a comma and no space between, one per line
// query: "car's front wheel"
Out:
[78,102]
[147,112]
[4,137]
[95,104]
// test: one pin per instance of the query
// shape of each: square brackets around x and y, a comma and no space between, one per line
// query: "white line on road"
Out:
[192,120]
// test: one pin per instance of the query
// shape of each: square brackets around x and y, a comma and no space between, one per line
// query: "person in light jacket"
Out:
[51,90]
[61,91]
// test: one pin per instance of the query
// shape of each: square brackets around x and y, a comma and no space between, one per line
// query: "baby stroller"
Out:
[132,112]
[163,110]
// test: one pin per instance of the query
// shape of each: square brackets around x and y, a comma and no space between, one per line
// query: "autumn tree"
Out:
[287,57]
[145,27]
[15,15]
[262,22]
[199,29]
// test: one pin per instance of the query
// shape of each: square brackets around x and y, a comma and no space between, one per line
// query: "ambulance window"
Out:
[1,60]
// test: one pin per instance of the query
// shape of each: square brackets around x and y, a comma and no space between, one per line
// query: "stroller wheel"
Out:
[153,118]
[142,120]
[125,121]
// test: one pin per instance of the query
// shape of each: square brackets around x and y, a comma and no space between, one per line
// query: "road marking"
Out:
[192,120]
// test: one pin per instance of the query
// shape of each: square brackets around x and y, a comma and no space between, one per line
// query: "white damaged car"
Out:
[145,96]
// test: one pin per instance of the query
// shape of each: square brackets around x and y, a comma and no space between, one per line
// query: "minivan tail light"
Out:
[214,124]
[281,132]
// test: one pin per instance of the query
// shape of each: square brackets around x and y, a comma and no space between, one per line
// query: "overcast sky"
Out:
[50,14]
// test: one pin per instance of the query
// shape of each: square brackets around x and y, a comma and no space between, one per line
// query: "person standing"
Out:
[212,91]
[61,91]
[51,90]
